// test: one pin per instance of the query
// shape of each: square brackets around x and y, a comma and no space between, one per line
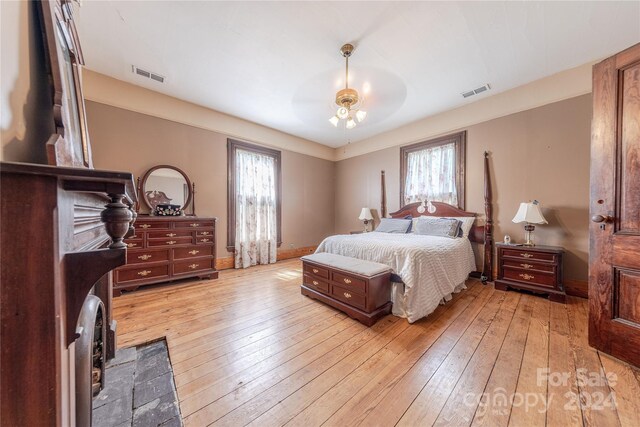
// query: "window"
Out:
[434,170]
[253,197]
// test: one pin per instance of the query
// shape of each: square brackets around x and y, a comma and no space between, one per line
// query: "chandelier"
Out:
[348,101]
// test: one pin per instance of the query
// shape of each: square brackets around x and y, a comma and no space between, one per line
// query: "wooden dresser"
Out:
[166,248]
[533,268]
[364,298]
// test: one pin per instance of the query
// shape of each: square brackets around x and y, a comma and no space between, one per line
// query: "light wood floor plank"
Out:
[426,407]
[249,349]
[562,379]
[494,406]
[588,363]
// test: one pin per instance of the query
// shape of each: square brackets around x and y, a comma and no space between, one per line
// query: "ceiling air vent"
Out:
[481,89]
[147,74]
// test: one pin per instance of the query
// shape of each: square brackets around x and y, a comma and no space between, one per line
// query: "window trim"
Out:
[460,140]
[232,146]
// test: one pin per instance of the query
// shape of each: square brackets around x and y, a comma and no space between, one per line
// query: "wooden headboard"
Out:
[482,234]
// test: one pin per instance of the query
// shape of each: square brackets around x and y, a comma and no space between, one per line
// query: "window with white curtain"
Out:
[254,204]
[434,171]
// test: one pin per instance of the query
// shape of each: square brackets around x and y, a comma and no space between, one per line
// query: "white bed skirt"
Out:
[399,301]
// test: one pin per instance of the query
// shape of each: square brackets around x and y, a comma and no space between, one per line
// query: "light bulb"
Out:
[421,208]
[334,120]
[360,115]
[351,123]
[342,113]
[430,207]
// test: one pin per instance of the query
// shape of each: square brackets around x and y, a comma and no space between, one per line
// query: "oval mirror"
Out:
[166,185]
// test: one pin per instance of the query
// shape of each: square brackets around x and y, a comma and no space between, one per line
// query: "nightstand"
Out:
[533,268]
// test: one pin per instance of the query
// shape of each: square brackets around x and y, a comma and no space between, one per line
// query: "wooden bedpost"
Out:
[383,197]
[487,269]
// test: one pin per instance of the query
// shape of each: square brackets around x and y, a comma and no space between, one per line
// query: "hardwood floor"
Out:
[249,349]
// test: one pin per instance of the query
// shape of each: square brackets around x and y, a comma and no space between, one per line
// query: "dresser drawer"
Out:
[529,255]
[190,266]
[348,296]
[169,241]
[194,224]
[316,283]
[532,277]
[204,240]
[141,256]
[150,225]
[133,243]
[192,252]
[530,265]
[350,282]
[169,233]
[204,233]
[316,271]
[142,273]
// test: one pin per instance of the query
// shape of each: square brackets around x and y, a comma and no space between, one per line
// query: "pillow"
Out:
[410,229]
[435,226]
[467,223]
[391,225]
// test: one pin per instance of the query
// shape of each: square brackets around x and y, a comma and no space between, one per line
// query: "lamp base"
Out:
[528,229]
[366,225]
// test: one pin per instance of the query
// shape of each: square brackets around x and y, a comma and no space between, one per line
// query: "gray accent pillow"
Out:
[435,226]
[392,225]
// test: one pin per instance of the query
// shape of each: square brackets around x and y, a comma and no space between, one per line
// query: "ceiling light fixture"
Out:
[348,100]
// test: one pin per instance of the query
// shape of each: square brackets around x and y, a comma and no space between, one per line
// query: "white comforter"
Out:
[431,267]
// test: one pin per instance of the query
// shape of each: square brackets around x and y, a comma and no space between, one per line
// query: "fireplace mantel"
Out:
[61,234]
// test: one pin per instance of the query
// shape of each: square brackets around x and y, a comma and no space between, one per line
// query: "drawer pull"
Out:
[132,245]
[205,233]
[171,242]
[144,257]
[195,224]
[204,240]
[526,255]
[315,270]
[347,281]
[193,252]
[526,276]
[347,295]
[526,265]
[145,226]
[144,273]
[315,283]
[171,234]
[193,266]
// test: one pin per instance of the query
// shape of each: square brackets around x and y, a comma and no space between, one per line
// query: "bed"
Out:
[427,269]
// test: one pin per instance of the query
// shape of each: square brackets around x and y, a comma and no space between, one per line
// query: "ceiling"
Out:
[278,63]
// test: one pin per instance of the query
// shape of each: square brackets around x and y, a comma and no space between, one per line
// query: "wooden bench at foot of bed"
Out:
[361,289]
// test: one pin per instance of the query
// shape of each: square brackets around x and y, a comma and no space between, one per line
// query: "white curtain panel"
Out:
[431,175]
[256,209]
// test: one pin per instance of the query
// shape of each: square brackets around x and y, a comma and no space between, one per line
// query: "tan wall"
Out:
[542,153]
[134,142]
[26,119]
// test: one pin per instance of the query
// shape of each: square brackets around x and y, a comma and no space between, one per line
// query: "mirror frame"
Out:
[143,182]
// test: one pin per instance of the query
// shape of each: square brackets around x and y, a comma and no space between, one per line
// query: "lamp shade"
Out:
[531,213]
[365,214]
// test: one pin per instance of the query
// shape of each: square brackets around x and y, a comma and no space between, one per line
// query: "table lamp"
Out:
[530,214]
[365,215]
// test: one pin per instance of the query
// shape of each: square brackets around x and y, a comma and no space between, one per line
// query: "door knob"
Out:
[601,218]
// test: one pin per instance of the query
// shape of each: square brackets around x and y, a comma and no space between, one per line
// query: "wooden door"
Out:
[614,256]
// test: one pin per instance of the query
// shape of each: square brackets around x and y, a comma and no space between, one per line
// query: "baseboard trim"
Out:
[228,262]
[577,288]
